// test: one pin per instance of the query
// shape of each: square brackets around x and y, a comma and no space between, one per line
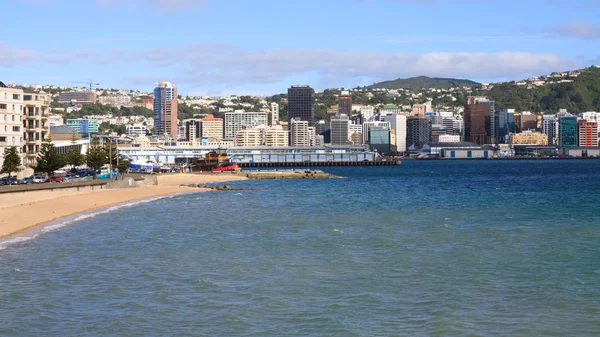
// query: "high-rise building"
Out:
[36,110]
[11,120]
[345,103]
[212,127]
[419,110]
[238,120]
[276,136]
[339,130]
[301,100]
[367,125]
[453,126]
[588,133]
[506,124]
[165,110]
[323,128]
[567,131]
[550,128]
[397,122]
[299,133]
[192,129]
[274,113]
[77,97]
[367,112]
[478,122]
[525,121]
[379,139]
[418,131]
[249,137]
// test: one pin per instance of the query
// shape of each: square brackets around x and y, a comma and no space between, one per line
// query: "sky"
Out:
[219,47]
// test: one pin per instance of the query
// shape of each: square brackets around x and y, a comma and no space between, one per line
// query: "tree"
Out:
[12,161]
[96,158]
[49,160]
[123,165]
[73,157]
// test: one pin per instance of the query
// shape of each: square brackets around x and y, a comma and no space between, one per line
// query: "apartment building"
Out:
[11,120]
[36,125]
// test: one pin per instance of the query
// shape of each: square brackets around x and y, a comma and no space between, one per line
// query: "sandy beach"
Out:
[24,211]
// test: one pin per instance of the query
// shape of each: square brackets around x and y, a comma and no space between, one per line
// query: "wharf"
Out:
[320,163]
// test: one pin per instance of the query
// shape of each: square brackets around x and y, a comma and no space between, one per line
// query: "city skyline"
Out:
[256,47]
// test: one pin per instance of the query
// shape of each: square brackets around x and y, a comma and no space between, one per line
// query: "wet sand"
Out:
[23,211]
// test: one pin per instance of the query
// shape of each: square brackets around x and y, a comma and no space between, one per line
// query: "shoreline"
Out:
[31,210]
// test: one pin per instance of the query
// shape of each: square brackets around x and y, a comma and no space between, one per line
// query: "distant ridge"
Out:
[424,82]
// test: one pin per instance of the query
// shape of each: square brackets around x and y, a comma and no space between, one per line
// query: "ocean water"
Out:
[430,248]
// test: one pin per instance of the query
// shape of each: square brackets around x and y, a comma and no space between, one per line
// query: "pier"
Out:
[319,163]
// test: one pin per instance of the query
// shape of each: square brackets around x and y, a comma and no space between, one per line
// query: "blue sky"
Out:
[263,46]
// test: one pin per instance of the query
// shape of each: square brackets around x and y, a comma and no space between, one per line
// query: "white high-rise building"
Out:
[239,120]
[398,124]
[11,121]
[299,133]
[274,113]
[367,112]
[550,128]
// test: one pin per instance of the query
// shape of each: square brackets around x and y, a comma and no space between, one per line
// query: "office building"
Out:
[11,120]
[453,126]
[529,137]
[239,120]
[355,134]
[367,125]
[525,121]
[276,136]
[550,128]
[397,122]
[165,110]
[212,127]
[299,133]
[419,110]
[588,133]
[274,113]
[323,128]
[449,139]
[339,130]
[136,130]
[379,139]
[418,131]
[345,103]
[505,124]
[84,126]
[367,113]
[36,127]
[249,137]
[192,129]
[77,97]
[301,100]
[478,121]
[567,131]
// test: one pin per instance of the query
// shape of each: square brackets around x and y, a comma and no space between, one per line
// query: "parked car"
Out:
[85,173]
[56,179]
[11,181]
[69,177]
[38,179]
[26,181]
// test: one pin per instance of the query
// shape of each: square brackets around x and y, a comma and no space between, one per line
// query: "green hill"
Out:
[424,82]
[583,94]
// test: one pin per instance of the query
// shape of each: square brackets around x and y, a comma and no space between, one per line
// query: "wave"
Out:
[58,224]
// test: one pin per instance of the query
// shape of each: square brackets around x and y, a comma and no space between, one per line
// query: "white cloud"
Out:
[229,65]
[575,29]
[10,56]
[160,6]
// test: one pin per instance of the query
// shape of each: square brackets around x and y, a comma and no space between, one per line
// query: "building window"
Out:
[3,106]
[16,96]
[16,128]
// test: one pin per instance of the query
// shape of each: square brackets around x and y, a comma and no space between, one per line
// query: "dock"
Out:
[320,163]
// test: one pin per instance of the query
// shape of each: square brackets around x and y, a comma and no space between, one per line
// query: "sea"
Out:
[427,248]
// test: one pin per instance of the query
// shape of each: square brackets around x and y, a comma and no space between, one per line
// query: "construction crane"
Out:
[90,83]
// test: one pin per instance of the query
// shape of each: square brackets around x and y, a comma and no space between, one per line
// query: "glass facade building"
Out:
[567,131]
